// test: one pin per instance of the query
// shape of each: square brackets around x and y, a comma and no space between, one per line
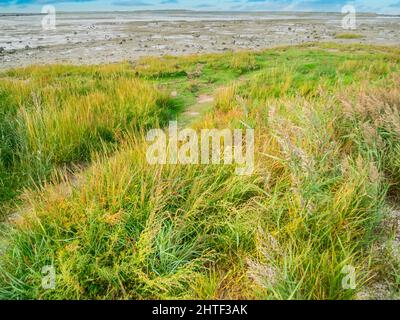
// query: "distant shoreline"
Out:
[233,12]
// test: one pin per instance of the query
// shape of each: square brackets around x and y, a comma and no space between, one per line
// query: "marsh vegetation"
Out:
[74,177]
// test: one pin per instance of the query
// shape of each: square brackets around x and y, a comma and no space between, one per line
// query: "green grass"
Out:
[61,115]
[349,36]
[115,227]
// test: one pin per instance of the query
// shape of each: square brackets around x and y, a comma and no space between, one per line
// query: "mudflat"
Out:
[95,38]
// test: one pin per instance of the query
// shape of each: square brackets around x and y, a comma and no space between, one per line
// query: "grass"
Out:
[326,139]
[60,116]
[349,36]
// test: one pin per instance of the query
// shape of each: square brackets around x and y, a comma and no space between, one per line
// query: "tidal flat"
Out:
[109,37]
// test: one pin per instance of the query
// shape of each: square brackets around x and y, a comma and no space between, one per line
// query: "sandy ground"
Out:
[107,38]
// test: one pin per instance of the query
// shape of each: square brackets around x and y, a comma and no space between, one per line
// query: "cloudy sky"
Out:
[379,6]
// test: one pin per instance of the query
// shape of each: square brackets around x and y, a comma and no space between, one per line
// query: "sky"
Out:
[35,6]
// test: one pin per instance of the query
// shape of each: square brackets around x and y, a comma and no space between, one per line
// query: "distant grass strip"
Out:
[349,36]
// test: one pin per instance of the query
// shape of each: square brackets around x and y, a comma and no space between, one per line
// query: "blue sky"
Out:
[379,6]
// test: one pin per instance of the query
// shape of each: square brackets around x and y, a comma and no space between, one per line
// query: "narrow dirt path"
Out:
[196,111]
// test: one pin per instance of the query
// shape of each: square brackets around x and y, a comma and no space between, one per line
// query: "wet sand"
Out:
[94,38]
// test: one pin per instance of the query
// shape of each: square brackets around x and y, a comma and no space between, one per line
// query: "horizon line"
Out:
[195,11]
